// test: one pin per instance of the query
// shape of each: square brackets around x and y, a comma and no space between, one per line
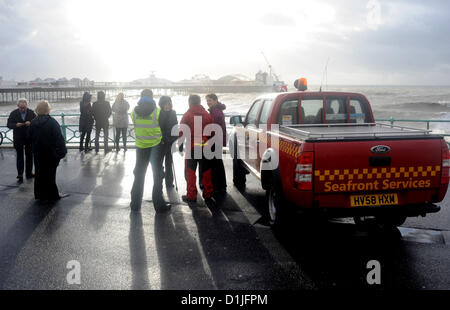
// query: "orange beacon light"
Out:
[301,84]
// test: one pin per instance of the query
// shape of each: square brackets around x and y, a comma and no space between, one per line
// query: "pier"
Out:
[58,94]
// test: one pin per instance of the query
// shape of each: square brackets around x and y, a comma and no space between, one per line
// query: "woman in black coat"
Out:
[49,148]
[86,121]
[167,119]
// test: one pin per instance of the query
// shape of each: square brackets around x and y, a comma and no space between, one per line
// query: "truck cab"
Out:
[298,108]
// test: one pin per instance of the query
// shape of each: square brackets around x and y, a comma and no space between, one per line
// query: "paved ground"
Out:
[228,246]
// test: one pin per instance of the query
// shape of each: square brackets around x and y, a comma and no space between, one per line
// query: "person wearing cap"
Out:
[168,120]
[19,121]
[86,121]
[49,148]
[145,117]
[101,110]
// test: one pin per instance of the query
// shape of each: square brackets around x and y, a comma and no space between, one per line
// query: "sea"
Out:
[398,102]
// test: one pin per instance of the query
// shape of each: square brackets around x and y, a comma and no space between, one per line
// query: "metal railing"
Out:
[392,121]
[71,133]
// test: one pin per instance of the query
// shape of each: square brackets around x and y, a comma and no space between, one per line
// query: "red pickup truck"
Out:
[322,152]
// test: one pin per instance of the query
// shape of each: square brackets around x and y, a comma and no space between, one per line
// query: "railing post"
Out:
[63,127]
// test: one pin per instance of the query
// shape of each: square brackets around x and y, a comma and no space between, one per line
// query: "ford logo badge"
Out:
[380,149]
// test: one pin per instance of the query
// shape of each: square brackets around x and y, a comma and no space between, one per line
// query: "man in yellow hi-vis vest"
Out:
[145,118]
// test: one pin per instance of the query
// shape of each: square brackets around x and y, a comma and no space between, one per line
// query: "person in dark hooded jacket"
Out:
[146,120]
[49,148]
[218,175]
[101,110]
[86,121]
[167,119]
[19,121]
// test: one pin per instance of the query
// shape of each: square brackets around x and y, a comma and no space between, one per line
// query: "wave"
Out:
[441,106]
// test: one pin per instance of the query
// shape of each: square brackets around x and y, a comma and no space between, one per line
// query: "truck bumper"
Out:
[404,210]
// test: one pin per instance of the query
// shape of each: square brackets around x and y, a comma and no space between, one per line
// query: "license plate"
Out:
[373,200]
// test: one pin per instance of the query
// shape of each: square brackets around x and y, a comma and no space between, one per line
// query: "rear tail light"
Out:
[304,171]
[445,164]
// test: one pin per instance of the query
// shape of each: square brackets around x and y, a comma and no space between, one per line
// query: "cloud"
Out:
[179,39]
[276,19]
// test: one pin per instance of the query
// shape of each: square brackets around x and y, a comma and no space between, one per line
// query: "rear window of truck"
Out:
[311,111]
[358,112]
[336,110]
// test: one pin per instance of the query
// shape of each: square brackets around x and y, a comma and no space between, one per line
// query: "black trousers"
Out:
[168,160]
[105,137]
[124,137]
[19,146]
[45,179]
[218,175]
[150,155]
[88,139]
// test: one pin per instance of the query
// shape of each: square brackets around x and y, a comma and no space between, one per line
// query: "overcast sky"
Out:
[397,42]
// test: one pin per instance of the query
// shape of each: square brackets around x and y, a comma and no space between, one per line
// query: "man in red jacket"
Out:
[196,119]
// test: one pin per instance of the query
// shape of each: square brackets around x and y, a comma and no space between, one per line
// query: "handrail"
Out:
[71,133]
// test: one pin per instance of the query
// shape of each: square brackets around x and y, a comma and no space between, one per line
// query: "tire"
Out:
[276,207]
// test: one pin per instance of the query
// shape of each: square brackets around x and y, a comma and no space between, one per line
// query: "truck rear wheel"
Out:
[275,207]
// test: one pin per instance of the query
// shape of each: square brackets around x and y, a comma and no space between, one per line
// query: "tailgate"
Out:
[405,170]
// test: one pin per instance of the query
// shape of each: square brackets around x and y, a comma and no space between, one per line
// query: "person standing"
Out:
[217,169]
[145,117]
[101,110]
[196,118]
[120,120]
[168,119]
[49,148]
[86,121]
[19,121]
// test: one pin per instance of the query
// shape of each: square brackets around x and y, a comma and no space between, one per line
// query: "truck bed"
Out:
[335,132]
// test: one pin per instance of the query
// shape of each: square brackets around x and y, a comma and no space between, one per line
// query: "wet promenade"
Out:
[227,246]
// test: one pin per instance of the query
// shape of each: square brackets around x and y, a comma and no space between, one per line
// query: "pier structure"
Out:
[58,94]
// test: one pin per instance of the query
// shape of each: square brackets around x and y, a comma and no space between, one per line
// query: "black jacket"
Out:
[47,139]
[101,110]
[20,133]
[86,116]
[168,119]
